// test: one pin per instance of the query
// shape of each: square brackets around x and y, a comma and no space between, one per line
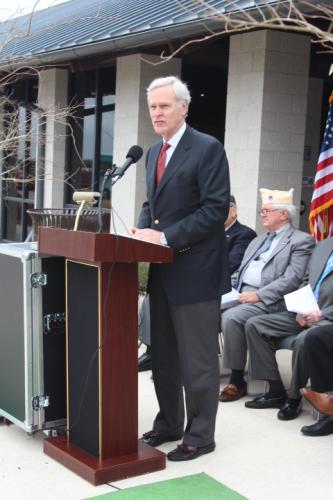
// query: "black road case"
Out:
[32,337]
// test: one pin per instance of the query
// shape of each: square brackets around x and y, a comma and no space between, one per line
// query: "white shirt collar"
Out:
[227,228]
[282,229]
[173,141]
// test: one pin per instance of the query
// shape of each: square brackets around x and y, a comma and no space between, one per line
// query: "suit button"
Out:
[156,221]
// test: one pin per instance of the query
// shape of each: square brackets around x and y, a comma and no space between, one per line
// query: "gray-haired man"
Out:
[273,265]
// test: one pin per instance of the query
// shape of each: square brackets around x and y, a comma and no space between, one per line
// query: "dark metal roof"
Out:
[86,27]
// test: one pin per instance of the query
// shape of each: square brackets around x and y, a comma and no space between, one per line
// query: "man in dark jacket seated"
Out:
[238,237]
[318,355]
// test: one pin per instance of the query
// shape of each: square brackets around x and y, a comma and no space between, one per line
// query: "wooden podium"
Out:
[102,360]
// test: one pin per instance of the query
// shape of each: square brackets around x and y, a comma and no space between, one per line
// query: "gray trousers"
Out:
[261,333]
[233,329]
[184,345]
[144,321]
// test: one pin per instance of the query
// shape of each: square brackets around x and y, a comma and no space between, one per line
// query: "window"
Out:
[20,121]
[91,144]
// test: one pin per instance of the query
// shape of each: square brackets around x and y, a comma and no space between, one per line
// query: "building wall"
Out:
[266,114]
[312,145]
[52,98]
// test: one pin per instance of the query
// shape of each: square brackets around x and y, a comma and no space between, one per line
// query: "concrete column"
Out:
[52,98]
[266,115]
[312,145]
[132,125]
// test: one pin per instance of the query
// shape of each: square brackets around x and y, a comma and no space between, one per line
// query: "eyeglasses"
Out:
[266,211]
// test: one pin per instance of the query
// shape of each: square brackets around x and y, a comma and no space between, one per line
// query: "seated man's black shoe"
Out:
[324,427]
[184,452]
[290,410]
[266,401]
[144,362]
[154,438]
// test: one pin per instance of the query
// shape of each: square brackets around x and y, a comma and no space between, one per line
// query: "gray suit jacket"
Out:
[316,266]
[286,266]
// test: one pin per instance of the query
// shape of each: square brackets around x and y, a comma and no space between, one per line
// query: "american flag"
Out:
[321,210]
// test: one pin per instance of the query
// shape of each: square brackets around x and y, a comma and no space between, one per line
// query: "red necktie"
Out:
[161,162]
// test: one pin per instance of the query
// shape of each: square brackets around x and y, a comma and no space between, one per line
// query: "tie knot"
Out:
[271,236]
[165,147]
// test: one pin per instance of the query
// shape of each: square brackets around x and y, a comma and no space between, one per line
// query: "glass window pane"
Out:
[33,136]
[21,133]
[87,151]
[107,133]
[108,99]
[83,149]
[13,221]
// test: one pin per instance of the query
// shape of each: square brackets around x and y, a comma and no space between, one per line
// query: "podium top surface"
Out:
[100,247]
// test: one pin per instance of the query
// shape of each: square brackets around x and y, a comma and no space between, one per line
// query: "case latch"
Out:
[39,402]
[38,279]
[54,323]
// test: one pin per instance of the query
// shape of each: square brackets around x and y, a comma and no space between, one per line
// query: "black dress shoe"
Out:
[263,401]
[154,438]
[324,427]
[290,410]
[183,452]
[144,362]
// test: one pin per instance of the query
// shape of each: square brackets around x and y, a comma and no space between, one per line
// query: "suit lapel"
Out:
[256,245]
[176,161]
[281,244]
[151,168]
[325,252]
[284,240]
[232,229]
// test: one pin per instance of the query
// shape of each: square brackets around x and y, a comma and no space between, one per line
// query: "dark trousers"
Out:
[318,352]
[184,349]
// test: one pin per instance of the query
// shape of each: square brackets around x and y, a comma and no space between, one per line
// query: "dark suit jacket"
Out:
[190,206]
[238,237]
[316,266]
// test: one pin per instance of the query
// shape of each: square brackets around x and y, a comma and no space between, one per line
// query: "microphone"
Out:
[89,197]
[134,154]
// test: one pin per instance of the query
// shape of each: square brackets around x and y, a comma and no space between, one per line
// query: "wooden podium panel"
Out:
[102,366]
[100,247]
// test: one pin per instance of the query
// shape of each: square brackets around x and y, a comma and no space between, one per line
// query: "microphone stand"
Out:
[108,173]
[115,173]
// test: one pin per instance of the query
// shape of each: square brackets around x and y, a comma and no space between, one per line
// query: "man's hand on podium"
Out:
[146,234]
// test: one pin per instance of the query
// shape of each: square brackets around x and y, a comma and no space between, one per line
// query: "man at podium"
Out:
[187,204]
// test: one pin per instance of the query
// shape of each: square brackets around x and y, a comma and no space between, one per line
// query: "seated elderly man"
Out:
[262,331]
[273,265]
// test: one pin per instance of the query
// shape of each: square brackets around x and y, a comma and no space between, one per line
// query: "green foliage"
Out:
[143,276]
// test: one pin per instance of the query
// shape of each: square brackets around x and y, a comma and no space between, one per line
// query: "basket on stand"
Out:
[63,218]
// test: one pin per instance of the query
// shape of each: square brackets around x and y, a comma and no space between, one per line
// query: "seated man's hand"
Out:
[249,298]
[310,318]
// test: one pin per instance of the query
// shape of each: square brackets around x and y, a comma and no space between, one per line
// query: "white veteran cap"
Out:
[277,197]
